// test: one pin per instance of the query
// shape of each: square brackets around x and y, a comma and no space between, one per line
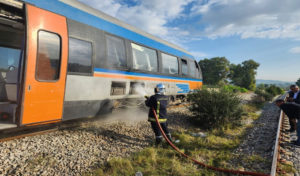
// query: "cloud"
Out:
[295,50]
[248,19]
[182,21]
[211,18]
[199,54]
[106,6]
[150,16]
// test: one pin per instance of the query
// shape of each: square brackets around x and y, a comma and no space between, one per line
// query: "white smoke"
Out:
[140,89]
[127,115]
[131,110]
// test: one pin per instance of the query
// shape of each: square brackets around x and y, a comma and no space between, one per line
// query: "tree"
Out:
[215,70]
[243,75]
[298,82]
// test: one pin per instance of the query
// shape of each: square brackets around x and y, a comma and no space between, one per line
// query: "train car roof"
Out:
[80,12]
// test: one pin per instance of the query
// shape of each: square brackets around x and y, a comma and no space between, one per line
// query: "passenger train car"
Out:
[62,60]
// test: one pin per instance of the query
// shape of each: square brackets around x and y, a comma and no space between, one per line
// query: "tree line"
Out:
[298,82]
[219,71]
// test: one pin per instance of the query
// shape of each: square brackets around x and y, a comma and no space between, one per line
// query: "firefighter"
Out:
[159,103]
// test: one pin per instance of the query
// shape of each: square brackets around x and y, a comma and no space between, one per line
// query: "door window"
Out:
[9,61]
[48,57]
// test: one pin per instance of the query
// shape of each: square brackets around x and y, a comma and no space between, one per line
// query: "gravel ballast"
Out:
[259,142]
[81,149]
[75,151]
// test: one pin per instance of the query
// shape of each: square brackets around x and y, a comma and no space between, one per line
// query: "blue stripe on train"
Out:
[185,88]
[83,17]
[143,74]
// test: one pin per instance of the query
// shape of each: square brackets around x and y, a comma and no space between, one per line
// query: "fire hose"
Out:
[200,163]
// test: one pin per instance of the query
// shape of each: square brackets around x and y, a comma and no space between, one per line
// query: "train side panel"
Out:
[90,92]
[92,96]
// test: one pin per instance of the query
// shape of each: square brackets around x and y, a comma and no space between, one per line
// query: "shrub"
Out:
[244,90]
[258,101]
[215,108]
[267,92]
[266,96]
[233,88]
[274,90]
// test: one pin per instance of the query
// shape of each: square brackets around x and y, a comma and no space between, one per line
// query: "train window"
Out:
[80,56]
[197,73]
[193,71]
[170,64]
[48,57]
[144,58]
[9,59]
[116,56]
[184,67]
[9,67]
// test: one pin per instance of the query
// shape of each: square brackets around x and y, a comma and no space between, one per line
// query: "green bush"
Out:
[274,90]
[244,90]
[208,86]
[215,108]
[267,92]
[266,96]
[235,89]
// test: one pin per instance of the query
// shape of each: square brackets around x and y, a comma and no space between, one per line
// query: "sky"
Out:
[267,31]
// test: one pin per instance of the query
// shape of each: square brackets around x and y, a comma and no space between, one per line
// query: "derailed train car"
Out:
[62,60]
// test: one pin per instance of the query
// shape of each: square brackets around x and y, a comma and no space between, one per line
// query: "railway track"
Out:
[9,138]
[46,129]
[281,136]
[14,134]
[278,151]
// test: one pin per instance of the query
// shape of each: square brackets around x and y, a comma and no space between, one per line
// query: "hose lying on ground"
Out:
[200,163]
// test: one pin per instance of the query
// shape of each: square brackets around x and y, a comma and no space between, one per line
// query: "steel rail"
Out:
[277,141]
[27,135]
[277,147]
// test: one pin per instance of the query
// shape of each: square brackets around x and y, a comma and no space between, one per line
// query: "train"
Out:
[62,60]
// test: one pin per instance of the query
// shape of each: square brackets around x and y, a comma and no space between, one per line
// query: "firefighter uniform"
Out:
[159,103]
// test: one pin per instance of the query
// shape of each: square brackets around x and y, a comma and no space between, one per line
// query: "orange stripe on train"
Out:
[193,84]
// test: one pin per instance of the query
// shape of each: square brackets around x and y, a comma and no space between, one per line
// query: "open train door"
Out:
[46,65]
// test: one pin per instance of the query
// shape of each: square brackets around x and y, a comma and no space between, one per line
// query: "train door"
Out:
[46,65]
[12,30]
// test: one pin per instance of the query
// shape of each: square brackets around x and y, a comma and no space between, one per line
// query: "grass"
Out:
[150,161]
[215,149]
[286,168]
[41,159]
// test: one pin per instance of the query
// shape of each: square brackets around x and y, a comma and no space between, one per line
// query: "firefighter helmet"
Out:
[160,88]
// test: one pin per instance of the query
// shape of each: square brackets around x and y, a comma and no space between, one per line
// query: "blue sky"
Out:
[266,31]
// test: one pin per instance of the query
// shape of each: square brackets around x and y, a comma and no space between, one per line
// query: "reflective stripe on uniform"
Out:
[157,109]
[152,119]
